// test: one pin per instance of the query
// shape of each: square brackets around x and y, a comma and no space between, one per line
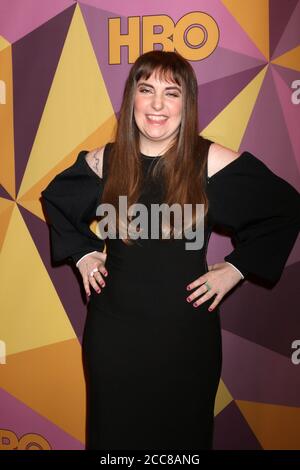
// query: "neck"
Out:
[153,151]
[153,148]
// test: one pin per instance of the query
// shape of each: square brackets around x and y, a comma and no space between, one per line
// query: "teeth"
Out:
[157,118]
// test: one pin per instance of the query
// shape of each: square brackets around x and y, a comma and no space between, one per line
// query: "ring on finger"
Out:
[93,272]
[208,286]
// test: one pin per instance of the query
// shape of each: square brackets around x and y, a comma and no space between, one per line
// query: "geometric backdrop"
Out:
[62,73]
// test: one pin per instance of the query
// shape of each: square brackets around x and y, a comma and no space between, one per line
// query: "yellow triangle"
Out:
[229,126]
[290,59]
[6,208]
[223,398]
[77,105]
[7,162]
[253,16]
[5,204]
[275,426]
[31,199]
[3,43]
[50,380]
[32,314]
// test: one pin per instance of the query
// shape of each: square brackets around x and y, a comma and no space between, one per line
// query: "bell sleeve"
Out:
[262,212]
[70,202]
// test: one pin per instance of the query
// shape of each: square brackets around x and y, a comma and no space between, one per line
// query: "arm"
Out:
[263,212]
[70,202]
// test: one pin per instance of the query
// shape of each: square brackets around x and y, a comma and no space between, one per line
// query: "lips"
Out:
[156,119]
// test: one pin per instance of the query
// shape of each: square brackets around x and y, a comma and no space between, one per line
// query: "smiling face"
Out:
[157,113]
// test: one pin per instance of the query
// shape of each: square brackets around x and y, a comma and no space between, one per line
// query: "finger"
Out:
[198,282]
[86,285]
[103,270]
[196,293]
[215,302]
[94,284]
[203,298]
[99,279]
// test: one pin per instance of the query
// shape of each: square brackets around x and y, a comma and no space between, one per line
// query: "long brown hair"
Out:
[183,166]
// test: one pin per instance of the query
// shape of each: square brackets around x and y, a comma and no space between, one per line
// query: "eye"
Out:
[144,89]
[173,94]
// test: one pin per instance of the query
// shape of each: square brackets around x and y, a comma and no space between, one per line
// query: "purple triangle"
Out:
[5,194]
[267,137]
[254,373]
[19,419]
[290,37]
[287,74]
[232,431]
[215,96]
[32,82]
[251,309]
[224,63]
[114,75]
[291,112]
[20,18]
[278,19]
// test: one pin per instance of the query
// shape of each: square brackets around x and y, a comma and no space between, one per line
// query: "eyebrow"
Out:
[167,87]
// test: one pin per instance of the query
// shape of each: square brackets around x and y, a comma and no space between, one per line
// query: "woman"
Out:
[152,342]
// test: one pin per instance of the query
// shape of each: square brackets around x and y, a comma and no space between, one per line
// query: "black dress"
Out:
[152,360]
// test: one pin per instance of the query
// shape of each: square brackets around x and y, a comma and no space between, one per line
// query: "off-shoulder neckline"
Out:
[244,154]
[215,175]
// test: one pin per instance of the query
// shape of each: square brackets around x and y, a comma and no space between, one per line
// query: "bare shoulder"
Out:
[219,157]
[94,159]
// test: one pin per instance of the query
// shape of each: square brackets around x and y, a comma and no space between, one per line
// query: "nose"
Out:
[157,102]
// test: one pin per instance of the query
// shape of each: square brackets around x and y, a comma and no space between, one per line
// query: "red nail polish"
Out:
[188,287]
